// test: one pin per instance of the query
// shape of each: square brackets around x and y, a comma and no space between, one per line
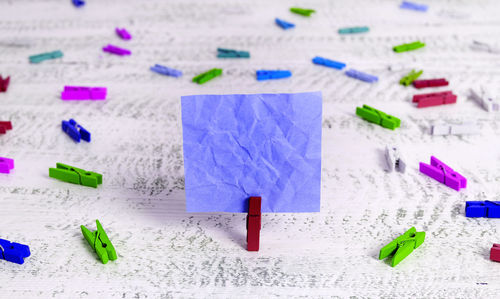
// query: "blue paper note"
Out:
[242,145]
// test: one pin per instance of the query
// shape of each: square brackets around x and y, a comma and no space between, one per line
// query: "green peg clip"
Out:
[100,242]
[408,47]
[44,56]
[402,246]
[207,76]
[302,11]
[75,175]
[378,117]
[412,76]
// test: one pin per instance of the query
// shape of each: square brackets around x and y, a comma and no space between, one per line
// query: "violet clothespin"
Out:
[443,174]
[123,33]
[116,50]
[83,93]
[6,165]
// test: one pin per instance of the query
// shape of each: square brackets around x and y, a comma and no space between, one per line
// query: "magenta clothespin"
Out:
[6,165]
[116,50]
[123,33]
[83,93]
[443,174]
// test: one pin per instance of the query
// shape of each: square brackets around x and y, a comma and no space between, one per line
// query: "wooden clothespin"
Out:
[402,246]
[253,223]
[75,175]
[100,242]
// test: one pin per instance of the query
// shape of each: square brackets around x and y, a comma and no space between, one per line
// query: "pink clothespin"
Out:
[116,50]
[443,174]
[430,83]
[83,93]
[495,253]
[123,33]
[6,165]
[434,99]
[4,83]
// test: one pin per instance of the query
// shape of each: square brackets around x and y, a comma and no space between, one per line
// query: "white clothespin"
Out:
[484,98]
[393,160]
[455,129]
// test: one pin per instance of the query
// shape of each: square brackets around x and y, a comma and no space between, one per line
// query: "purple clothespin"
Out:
[443,174]
[123,33]
[83,93]
[6,165]
[116,50]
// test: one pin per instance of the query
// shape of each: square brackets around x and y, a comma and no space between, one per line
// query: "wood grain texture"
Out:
[165,252]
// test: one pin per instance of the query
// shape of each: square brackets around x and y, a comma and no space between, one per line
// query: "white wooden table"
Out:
[165,252]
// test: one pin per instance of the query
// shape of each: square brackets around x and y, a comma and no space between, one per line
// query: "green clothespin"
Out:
[302,11]
[408,47]
[75,175]
[402,246]
[100,242]
[412,76]
[44,56]
[350,30]
[207,76]
[378,117]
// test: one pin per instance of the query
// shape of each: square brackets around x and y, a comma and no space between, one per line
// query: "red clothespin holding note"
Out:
[4,83]
[253,223]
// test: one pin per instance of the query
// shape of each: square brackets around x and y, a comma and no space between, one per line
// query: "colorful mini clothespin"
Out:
[393,159]
[402,246]
[408,47]
[75,175]
[413,6]
[45,56]
[4,84]
[486,209]
[229,53]
[328,63]
[412,76]
[302,11]
[5,126]
[13,252]
[361,76]
[430,83]
[455,129]
[75,131]
[123,33]
[284,24]
[378,117]
[271,74]
[434,99]
[253,223]
[6,165]
[83,93]
[116,50]
[443,174]
[351,30]
[160,69]
[484,98]
[495,253]
[207,76]
[78,3]
[100,242]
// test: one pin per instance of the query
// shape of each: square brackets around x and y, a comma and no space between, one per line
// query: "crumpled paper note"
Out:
[242,145]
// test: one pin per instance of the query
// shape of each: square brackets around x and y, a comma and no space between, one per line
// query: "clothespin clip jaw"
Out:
[4,84]
[123,33]
[5,126]
[13,252]
[495,253]
[408,47]
[75,131]
[302,11]
[284,24]
[160,69]
[207,76]
[270,75]
[393,160]
[378,117]
[78,3]
[328,63]
[487,209]
[443,174]
[253,223]
[100,242]
[412,76]
[75,175]
[402,246]
[228,53]
[6,165]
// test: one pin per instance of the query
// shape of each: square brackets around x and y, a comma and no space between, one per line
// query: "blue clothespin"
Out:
[78,3]
[414,6]
[361,76]
[160,69]
[488,209]
[13,252]
[283,24]
[328,63]
[75,131]
[268,75]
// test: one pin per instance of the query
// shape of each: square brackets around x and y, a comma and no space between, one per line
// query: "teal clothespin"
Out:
[302,11]
[44,56]
[100,242]
[229,53]
[207,76]
[75,175]
[408,47]
[349,30]
[402,246]
[378,117]
[412,76]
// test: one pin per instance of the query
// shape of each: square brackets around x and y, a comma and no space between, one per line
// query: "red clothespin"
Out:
[495,253]
[4,126]
[253,223]
[434,99]
[4,83]
[430,83]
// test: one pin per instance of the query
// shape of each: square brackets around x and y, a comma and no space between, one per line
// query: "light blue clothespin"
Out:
[328,63]
[268,75]
[414,6]
[361,76]
[283,24]
[160,69]
[44,56]
[350,30]
[229,53]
